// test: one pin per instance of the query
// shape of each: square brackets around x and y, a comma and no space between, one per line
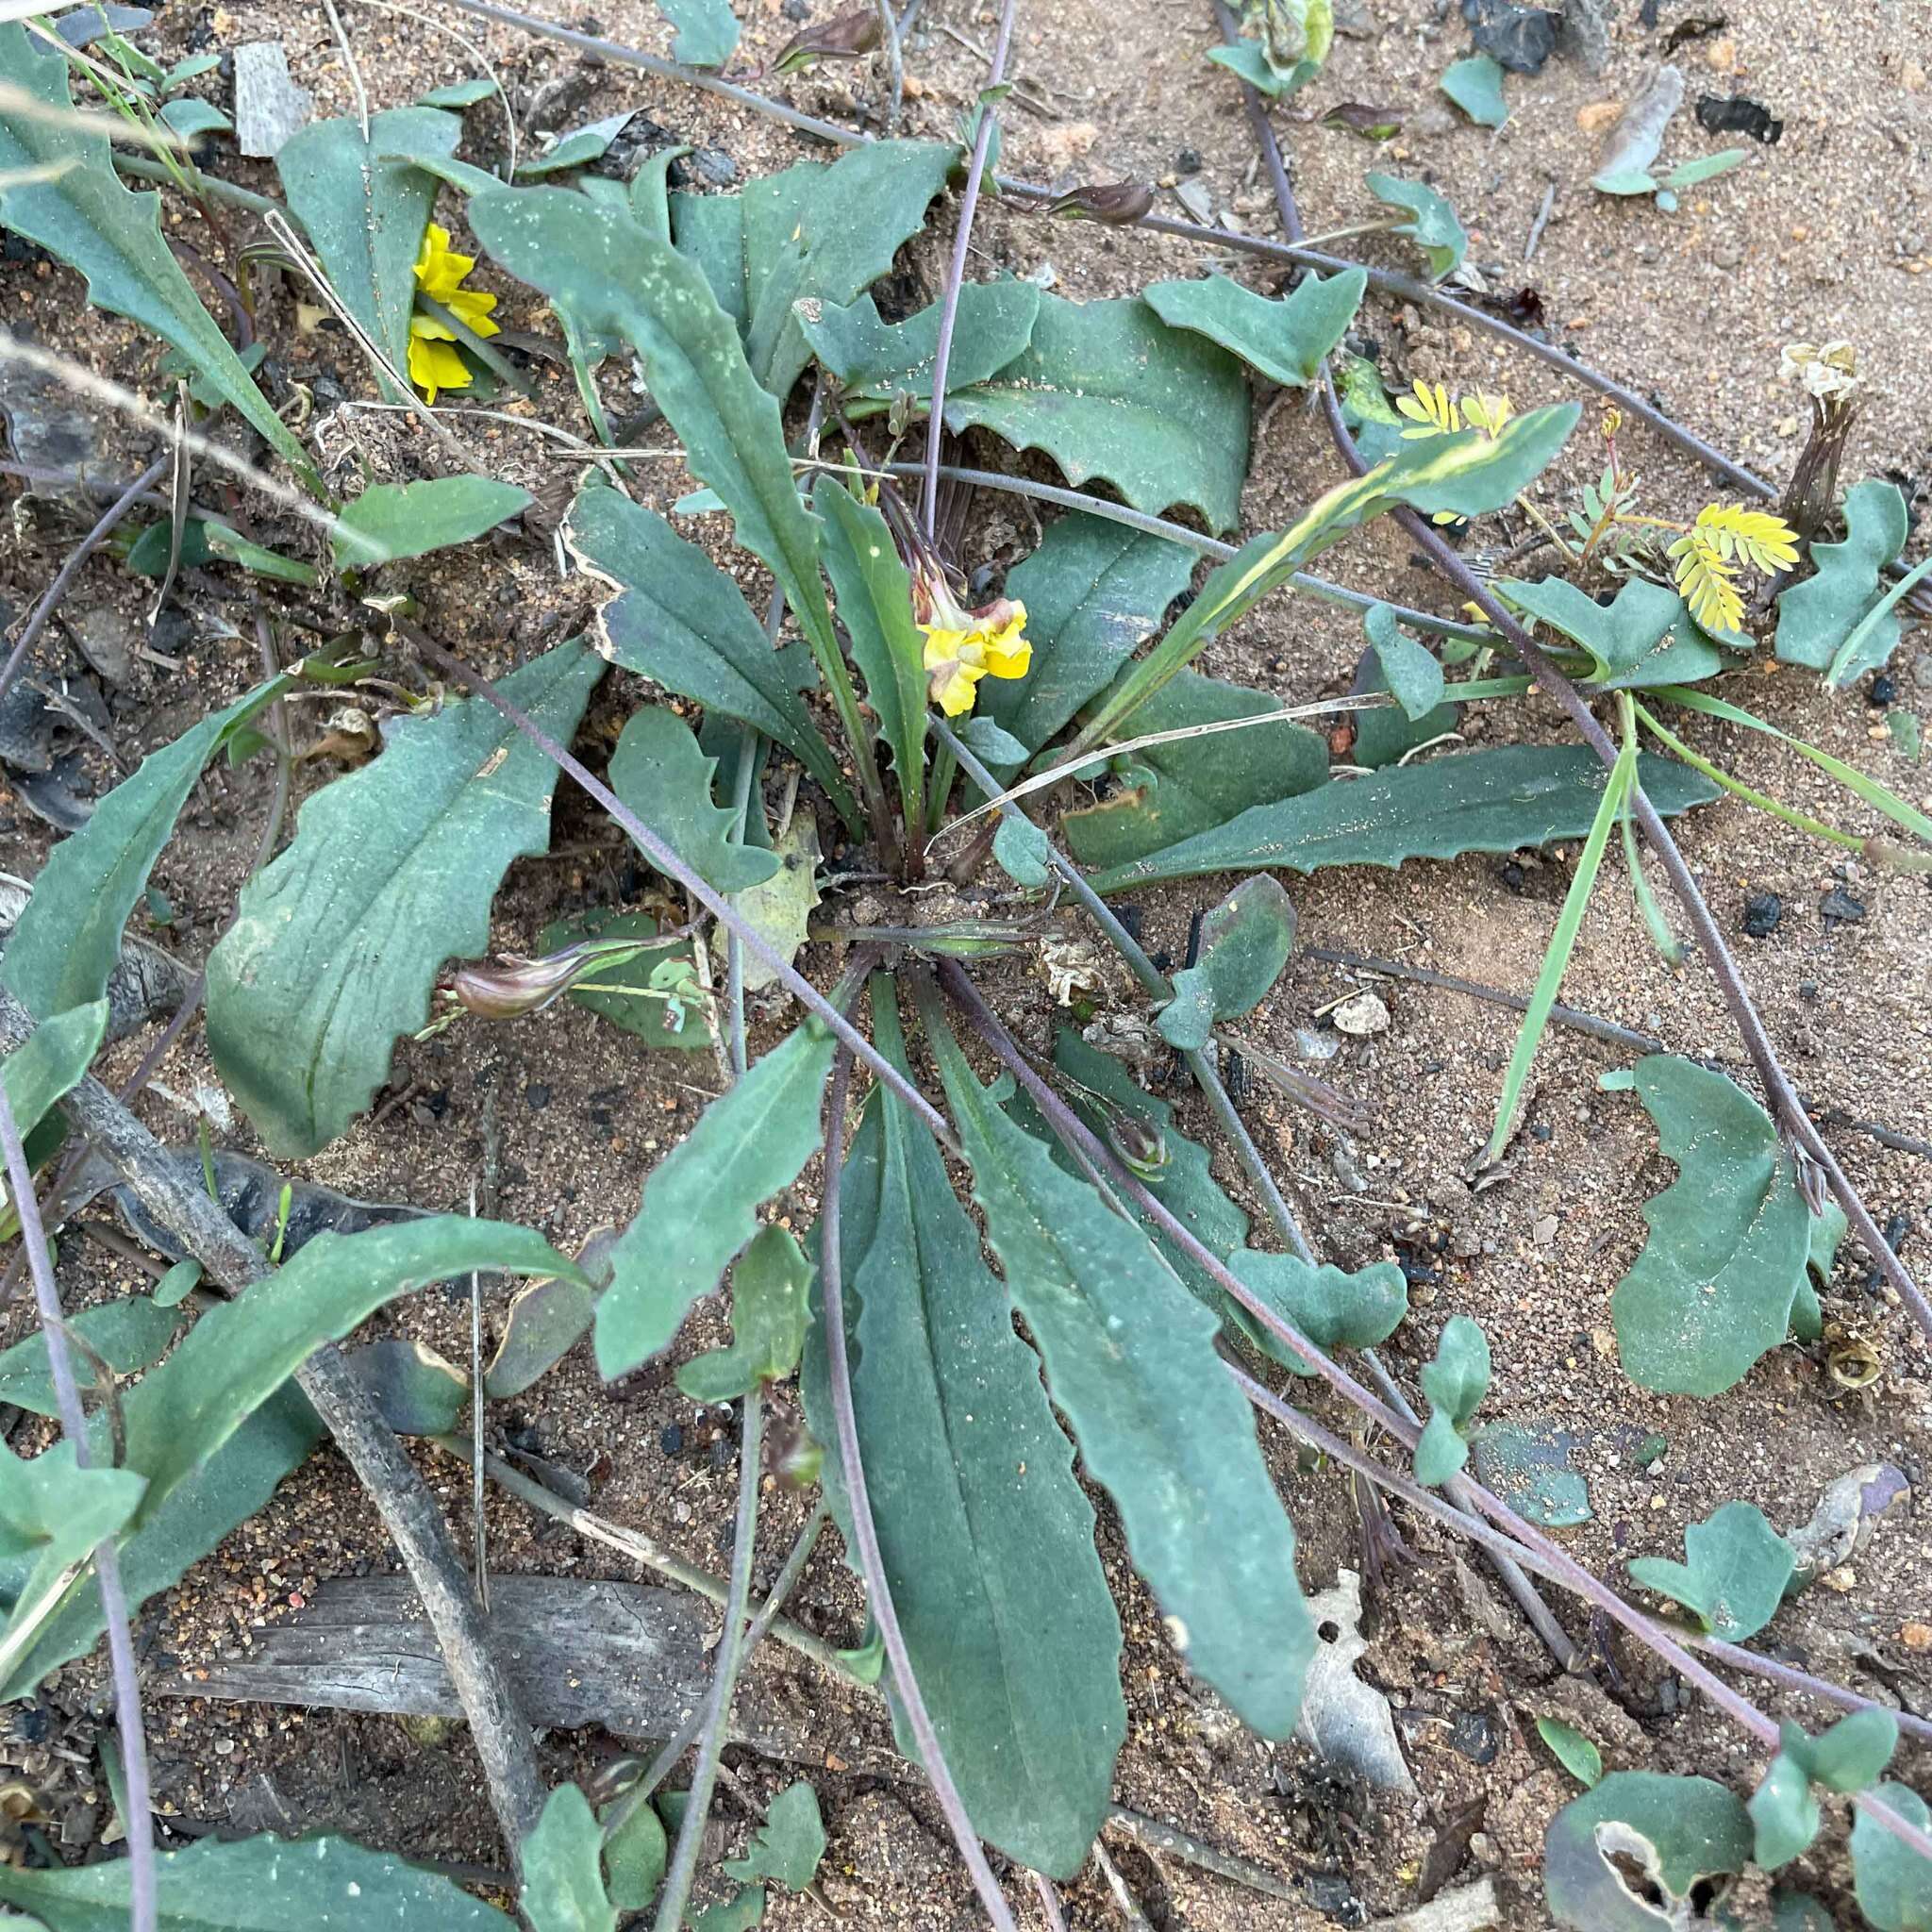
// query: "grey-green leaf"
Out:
[1735,1576]
[1573,1751]
[577,148]
[1107,389]
[1333,1307]
[259,1884]
[53,1513]
[1023,850]
[1413,673]
[68,939]
[1126,1350]
[1816,617]
[1894,1881]
[622,991]
[544,1323]
[396,520]
[1287,341]
[634,1861]
[1245,942]
[659,773]
[1677,1831]
[1432,224]
[707,31]
[768,1321]
[1643,637]
[985,1537]
[366,216]
[698,1204]
[1481,801]
[391,872]
[680,621]
[563,1879]
[1476,85]
[419,1391]
[49,1064]
[1714,1286]
[129,1334]
[788,1846]
[191,117]
[85,216]
[875,360]
[1455,1382]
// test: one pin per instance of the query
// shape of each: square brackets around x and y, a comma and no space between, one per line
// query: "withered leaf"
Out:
[1120,204]
[848,36]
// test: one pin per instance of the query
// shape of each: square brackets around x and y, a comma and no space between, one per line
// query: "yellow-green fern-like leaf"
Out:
[1433,410]
[1486,413]
[1764,540]
[1705,577]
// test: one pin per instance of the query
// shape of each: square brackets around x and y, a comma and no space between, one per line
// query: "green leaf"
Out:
[1245,942]
[1331,1307]
[577,148]
[259,1884]
[545,1321]
[872,590]
[768,1321]
[1816,617]
[366,214]
[1679,1832]
[396,520]
[231,547]
[680,621]
[1384,734]
[114,237]
[698,1204]
[1476,85]
[1290,42]
[635,1859]
[459,94]
[1714,1288]
[190,117]
[1847,1757]
[788,1846]
[1642,638]
[709,230]
[779,911]
[1850,1754]
[659,773]
[52,1515]
[1573,1751]
[1107,390]
[633,1005]
[877,362]
[1024,852]
[1093,591]
[49,1064]
[1735,1576]
[1126,1350]
[1286,340]
[1251,63]
[987,1538]
[1893,1882]
[1432,224]
[1169,794]
[336,944]
[1785,1817]
[1625,181]
[419,1391]
[1411,672]
[129,1335]
[563,1880]
[68,938]
[1481,801]
[1455,1382]
[707,31]
[1705,167]
[738,1913]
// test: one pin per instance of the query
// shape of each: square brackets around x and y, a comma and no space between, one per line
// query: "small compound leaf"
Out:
[1677,1831]
[1411,672]
[1455,1382]
[768,1321]
[1716,1283]
[67,941]
[876,361]
[1573,1750]
[1643,638]
[50,1063]
[563,1879]
[397,520]
[659,773]
[1476,85]
[1818,616]
[419,1391]
[577,149]
[1245,942]
[1331,1307]
[1107,389]
[1894,1881]
[1432,224]
[1482,801]
[1023,852]
[392,871]
[546,1320]
[1735,1576]
[1287,340]
[707,31]
[259,1884]
[365,214]
[788,1846]
[698,1203]
[624,991]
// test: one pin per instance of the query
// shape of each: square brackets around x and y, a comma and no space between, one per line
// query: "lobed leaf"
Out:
[1455,1382]
[1287,341]
[336,944]
[707,31]
[1333,1307]
[1244,942]
[1735,1576]
[1681,1833]
[788,1846]
[1643,638]
[768,1323]
[659,772]
[877,362]
[1432,224]
[1816,617]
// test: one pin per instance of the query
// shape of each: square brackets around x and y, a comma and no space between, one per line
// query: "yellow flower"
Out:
[963,646]
[434,363]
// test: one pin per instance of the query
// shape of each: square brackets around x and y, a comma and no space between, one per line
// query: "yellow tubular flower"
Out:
[434,362]
[963,646]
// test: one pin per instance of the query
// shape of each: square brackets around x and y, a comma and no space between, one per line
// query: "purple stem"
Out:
[138,1822]
[865,1536]
[955,275]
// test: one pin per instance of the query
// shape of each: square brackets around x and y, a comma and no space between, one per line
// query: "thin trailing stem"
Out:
[33,1238]
[895,64]
[956,270]
[864,1531]
[485,351]
[731,1652]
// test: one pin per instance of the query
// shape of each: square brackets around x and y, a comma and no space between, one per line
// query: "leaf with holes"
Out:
[563,1879]
[1245,942]
[337,946]
[768,1320]
[1735,1576]
[1681,1834]
[391,521]
[57,187]
[874,361]
[659,773]
[1108,391]
[1643,638]
[1455,1382]
[699,1201]
[1894,1881]
[1126,1349]
[366,214]
[1714,1286]
[1495,800]
[1286,340]
[985,1537]
[1816,617]
[1432,224]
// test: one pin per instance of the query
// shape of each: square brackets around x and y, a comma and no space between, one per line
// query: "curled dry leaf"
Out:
[1120,204]
[848,36]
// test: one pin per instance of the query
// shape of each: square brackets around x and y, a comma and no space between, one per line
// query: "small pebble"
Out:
[1916,1635]
[1763,912]
[1475,1735]
[715,166]
[537,1096]
[672,1440]
[1187,162]
[1361,1016]
[1544,1232]
[1541,1130]
[796,10]
[1881,691]
[1838,905]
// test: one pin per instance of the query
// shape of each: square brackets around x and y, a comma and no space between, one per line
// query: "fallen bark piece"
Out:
[269,106]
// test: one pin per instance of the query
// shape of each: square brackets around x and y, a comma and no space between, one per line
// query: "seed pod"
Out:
[844,37]
[1137,1143]
[1119,204]
[515,986]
